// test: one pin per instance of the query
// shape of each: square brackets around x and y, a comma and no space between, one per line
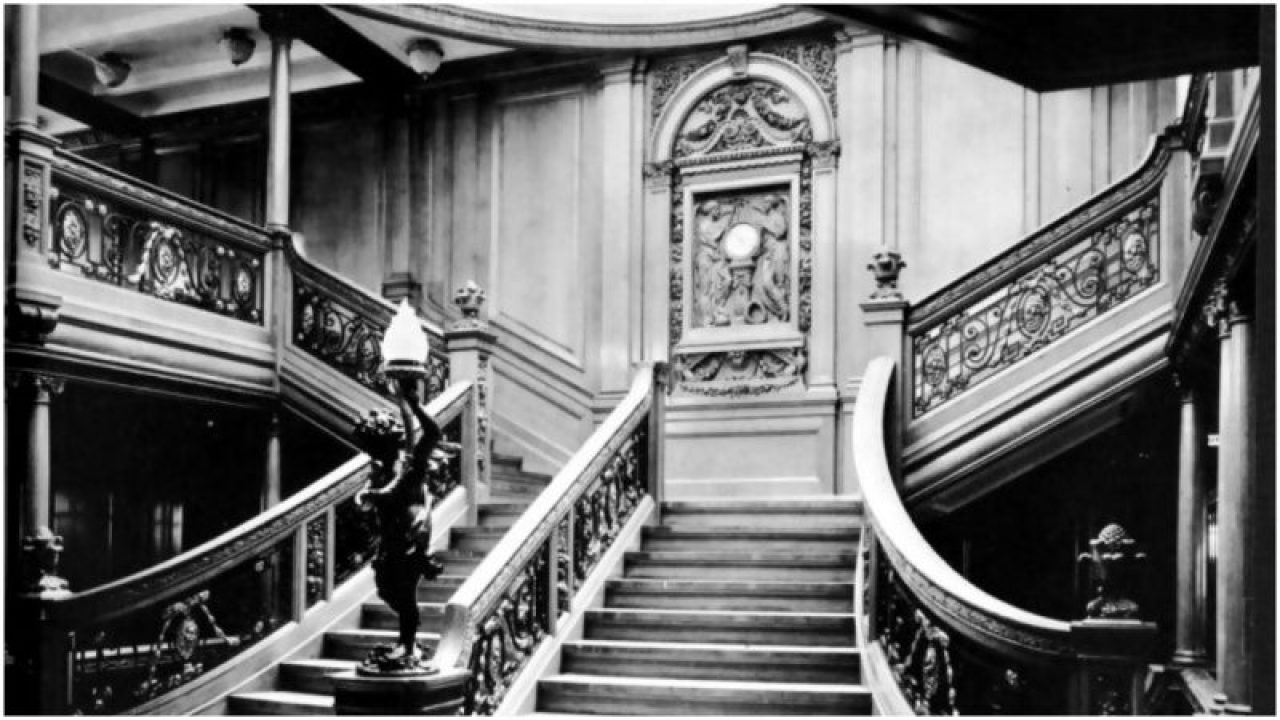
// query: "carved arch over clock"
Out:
[759,66]
[732,160]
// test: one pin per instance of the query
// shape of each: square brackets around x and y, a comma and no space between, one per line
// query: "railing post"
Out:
[657,424]
[298,575]
[470,345]
[885,317]
[1112,658]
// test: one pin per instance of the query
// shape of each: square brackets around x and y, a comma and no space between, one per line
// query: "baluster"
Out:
[330,550]
[298,577]
[550,586]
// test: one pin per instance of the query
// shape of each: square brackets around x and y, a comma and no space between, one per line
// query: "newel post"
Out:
[885,316]
[470,345]
[1113,645]
[657,424]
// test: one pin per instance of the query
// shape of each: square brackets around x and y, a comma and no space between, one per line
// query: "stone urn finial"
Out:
[1114,559]
[469,298]
[886,265]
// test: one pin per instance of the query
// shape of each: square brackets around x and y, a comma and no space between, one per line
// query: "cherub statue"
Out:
[397,493]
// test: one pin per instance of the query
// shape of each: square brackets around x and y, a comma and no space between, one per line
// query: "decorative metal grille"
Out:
[981,338]
[123,246]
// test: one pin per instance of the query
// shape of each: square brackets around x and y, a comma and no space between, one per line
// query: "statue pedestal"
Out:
[440,693]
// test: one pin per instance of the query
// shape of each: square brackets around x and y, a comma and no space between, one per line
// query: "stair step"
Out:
[730,595]
[703,626]
[356,644]
[664,696]
[280,702]
[794,514]
[379,616]
[707,539]
[459,562]
[741,565]
[515,491]
[440,589]
[845,506]
[501,515]
[312,675]
[476,539]
[713,661]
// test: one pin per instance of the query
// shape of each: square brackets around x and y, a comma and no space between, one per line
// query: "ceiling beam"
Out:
[99,114]
[1045,48]
[341,43]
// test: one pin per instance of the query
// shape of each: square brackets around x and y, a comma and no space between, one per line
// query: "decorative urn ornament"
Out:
[886,266]
[1114,560]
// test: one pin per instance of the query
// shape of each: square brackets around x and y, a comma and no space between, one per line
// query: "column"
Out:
[1191,587]
[279,125]
[271,479]
[30,398]
[25,77]
[1236,435]
[398,278]
[620,174]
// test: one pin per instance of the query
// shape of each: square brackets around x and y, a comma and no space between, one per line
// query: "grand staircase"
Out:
[302,686]
[729,608]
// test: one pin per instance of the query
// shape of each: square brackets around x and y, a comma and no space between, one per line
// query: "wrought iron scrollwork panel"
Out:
[122,246]
[605,507]
[1037,308]
[317,548]
[349,341]
[508,636]
[127,661]
[941,672]
[355,540]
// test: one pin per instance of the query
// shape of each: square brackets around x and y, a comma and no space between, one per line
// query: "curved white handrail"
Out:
[970,610]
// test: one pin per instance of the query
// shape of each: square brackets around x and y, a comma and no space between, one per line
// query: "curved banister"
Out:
[1053,237]
[165,202]
[480,589]
[177,575]
[371,304]
[973,611]
[495,621]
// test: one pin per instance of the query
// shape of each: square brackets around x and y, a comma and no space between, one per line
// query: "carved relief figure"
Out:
[742,265]
[742,115]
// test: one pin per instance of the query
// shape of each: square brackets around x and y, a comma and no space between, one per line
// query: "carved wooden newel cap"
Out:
[405,346]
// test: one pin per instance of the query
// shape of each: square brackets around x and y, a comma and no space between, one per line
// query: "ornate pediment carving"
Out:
[742,115]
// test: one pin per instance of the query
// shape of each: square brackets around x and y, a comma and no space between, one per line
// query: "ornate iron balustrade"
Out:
[341,324]
[513,600]
[116,230]
[137,641]
[952,648]
[1075,270]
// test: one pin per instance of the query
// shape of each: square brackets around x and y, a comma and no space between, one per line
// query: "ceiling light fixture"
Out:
[111,69]
[240,45]
[425,56]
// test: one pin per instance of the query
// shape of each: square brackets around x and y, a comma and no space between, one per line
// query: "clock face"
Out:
[741,241]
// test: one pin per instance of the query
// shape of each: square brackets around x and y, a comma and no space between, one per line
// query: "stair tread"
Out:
[758,557]
[692,585]
[818,502]
[833,650]
[288,697]
[752,531]
[740,614]
[705,685]
[333,664]
[378,633]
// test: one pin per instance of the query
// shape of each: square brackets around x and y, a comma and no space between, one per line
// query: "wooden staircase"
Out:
[302,685]
[729,608]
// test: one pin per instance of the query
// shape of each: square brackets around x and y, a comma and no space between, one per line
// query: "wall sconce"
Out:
[240,45]
[425,56]
[111,69]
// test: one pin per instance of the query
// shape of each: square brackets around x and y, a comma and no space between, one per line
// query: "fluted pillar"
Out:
[24,78]
[279,126]
[1236,472]
[272,479]
[30,395]
[1191,586]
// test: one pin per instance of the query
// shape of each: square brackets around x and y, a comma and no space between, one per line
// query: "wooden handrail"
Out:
[164,203]
[969,610]
[179,574]
[481,591]
[364,301]
[1054,237]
